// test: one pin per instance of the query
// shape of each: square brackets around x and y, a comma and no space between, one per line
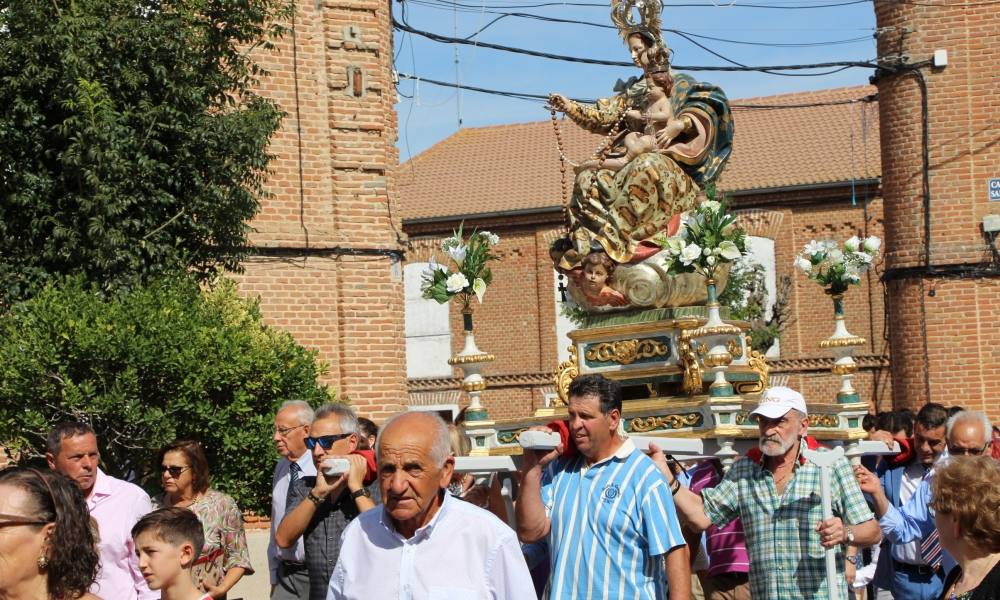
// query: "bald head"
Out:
[968,430]
[425,428]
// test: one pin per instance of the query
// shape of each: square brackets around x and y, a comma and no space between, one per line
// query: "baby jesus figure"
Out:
[594,279]
[661,126]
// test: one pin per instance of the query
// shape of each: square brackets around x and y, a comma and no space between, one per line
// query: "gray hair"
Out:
[303,412]
[970,415]
[348,420]
[441,446]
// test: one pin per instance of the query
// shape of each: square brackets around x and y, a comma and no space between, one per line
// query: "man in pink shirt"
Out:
[729,565]
[115,505]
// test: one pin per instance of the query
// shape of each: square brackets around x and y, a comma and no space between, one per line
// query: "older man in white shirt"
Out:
[287,566]
[424,543]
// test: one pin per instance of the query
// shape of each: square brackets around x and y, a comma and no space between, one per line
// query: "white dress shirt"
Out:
[279,493]
[464,553]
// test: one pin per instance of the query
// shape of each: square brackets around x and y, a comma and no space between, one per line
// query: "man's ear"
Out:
[354,441]
[447,470]
[51,460]
[614,416]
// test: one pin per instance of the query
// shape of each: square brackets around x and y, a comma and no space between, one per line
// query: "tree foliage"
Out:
[167,361]
[132,141]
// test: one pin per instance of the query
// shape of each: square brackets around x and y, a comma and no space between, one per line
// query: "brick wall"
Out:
[326,235]
[944,328]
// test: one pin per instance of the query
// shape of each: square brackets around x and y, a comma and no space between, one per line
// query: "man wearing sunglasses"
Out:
[321,506]
[966,433]
[115,505]
[287,566]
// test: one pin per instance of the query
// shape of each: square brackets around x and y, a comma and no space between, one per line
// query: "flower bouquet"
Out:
[471,276]
[837,267]
[708,238]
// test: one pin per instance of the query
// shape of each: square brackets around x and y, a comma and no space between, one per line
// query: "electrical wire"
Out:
[836,66]
[545,97]
[678,5]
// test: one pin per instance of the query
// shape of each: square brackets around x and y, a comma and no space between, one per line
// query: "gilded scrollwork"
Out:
[626,352]
[510,436]
[824,421]
[678,421]
[844,342]
[568,370]
[735,348]
[757,363]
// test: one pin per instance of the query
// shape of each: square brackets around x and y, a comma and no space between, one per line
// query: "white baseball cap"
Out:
[778,400]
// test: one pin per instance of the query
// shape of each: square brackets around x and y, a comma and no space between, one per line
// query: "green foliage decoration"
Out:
[167,361]
[133,141]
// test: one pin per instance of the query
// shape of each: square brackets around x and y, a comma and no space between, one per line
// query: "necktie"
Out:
[293,479]
[930,548]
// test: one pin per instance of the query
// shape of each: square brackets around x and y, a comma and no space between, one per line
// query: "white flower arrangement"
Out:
[837,267]
[471,276]
[706,239]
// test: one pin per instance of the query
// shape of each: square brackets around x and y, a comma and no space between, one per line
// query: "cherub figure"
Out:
[593,282]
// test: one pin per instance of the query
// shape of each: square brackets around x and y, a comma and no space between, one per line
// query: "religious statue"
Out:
[667,136]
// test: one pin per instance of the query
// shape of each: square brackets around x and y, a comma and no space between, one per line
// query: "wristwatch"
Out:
[850,535]
[360,492]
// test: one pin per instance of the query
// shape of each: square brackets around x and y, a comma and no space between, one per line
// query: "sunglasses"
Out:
[12,520]
[174,470]
[325,441]
[966,451]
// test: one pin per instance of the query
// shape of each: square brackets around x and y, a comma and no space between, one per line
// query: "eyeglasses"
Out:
[325,441]
[12,520]
[174,470]
[966,451]
[284,431]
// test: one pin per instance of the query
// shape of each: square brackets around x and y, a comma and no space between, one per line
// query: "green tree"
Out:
[165,361]
[131,140]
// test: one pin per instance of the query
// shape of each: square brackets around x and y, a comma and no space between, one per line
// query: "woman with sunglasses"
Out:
[224,558]
[47,545]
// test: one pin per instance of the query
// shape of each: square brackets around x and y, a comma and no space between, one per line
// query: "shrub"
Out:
[167,360]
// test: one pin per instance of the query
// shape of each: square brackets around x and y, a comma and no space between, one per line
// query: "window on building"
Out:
[428,331]
[762,251]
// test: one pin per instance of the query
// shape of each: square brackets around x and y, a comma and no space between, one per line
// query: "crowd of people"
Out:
[362,512]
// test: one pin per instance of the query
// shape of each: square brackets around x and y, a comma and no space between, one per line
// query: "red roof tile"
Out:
[506,168]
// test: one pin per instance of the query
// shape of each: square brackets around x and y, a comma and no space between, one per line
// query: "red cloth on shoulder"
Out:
[562,428]
[907,450]
[369,456]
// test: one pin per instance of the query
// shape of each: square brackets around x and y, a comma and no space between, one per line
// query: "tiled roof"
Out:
[506,168]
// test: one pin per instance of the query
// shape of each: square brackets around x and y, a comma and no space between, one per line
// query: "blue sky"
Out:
[432,114]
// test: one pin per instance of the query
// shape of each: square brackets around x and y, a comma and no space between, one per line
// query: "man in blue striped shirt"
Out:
[607,512]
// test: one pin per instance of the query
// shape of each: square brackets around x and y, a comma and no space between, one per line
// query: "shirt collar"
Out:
[623,452]
[426,530]
[102,486]
[305,460]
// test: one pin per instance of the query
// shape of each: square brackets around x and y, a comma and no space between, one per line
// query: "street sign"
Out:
[995,189]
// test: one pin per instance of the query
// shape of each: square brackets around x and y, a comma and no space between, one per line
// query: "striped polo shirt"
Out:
[612,522]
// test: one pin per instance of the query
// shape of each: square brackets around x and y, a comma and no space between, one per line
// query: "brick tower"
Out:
[328,243]
[942,269]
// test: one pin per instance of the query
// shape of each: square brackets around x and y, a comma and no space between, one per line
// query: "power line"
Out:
[677,5]
[685,34]
[836,66]
[545,97]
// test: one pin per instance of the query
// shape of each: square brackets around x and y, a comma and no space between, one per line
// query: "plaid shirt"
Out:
[786,557]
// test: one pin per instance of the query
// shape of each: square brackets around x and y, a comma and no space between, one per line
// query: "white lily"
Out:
[674,246]
[729,251]
[852,244]
[456,282]
[835,256]
[862,257]
[871,245]
[457,254]
[479,288]
[814,247]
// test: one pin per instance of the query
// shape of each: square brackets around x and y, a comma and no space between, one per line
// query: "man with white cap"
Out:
[776,493]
